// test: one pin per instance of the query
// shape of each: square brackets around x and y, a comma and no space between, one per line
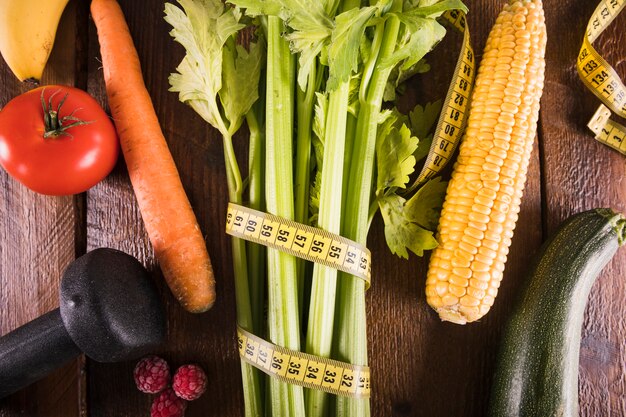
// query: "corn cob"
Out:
[483,198]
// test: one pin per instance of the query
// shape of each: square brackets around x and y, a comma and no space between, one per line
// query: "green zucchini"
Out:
[537,368]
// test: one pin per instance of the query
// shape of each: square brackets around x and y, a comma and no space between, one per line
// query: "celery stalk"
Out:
[305,105]
[351,325]
[347,155]
[256,252]
[323,290]
[251,378]
[283,316]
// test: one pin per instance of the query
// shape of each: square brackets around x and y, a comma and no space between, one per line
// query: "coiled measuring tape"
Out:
[455,111]
[602,79]
[302,369]
[306,242]
[608,131]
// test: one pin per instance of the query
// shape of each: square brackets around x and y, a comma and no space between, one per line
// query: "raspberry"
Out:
[152,374]
[189,382]
[167,404]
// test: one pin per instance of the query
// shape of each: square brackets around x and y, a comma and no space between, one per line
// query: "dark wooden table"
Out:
[422,367]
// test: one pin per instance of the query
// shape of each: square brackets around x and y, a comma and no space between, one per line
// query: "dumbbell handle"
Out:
[32,351]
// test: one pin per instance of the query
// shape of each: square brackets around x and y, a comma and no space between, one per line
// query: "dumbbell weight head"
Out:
[109,309]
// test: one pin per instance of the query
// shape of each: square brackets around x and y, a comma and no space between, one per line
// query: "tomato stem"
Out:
[58,127]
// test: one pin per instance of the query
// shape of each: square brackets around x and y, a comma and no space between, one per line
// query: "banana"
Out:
[27,32]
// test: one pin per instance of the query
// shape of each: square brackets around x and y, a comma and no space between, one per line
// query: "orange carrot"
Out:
[169,219]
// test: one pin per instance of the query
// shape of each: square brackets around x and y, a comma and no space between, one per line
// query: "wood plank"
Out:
[38,237]
[422,367]
[113,220]
[581,174]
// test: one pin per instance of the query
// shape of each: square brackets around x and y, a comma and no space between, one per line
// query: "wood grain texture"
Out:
[421,366]
[39,237]
[113,220]
[581,174]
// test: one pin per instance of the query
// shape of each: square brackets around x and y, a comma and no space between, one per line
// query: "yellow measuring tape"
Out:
[306,242]
[315,245]
[302,369]
[602,79]
[455,111]
[608,131]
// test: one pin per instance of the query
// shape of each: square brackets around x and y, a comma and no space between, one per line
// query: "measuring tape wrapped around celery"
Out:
[602,79]
[301,240]
[323,153]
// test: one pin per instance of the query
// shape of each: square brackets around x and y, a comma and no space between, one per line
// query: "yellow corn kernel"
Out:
[457,291]
[484,194]
[479,285]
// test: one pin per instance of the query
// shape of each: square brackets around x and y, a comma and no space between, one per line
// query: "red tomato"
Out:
[57,158]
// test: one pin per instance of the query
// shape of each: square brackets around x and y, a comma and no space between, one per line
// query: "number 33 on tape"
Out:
[302,369]
[300,240]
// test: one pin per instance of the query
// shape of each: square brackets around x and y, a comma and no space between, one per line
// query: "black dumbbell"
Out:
[109,309]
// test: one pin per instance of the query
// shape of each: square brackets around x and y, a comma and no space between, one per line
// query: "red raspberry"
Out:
[167,404]
[152,374]
[189,382]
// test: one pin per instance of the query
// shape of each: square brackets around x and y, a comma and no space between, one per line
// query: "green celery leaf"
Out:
[423,118]
[331,6]
[312,27]
[390,88]
[411,4]
[400,232]
[319,127]
[346,40]
[425,206]
[365,47]
[421,31]
[306,15]
[396,84]
[422,36]
[227,24]
[420,67]
[202,29]
[385,118]
[241,74]
[423,148]
[314,196]
[435,9]
[308,45]
[261,7]
[393,117]
[394,156]
[388,119]
[354,103]
[299,12]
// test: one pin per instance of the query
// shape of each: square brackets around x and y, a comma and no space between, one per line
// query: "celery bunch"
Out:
[323,151]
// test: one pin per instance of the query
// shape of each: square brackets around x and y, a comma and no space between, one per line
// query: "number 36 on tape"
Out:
[300,240]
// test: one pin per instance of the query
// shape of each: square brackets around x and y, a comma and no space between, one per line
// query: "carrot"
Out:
[169,219]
